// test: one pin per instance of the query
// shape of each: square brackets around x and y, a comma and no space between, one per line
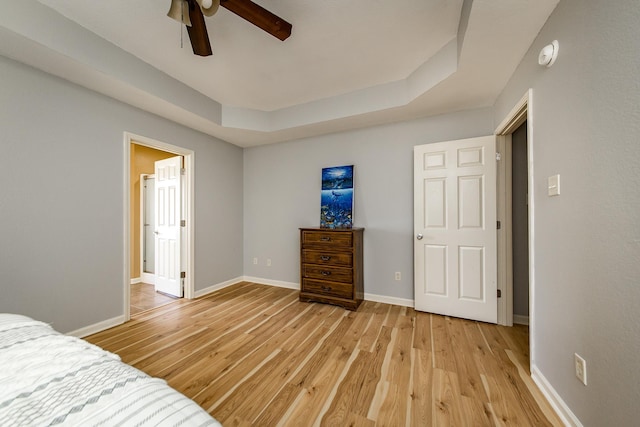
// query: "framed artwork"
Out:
[336,200]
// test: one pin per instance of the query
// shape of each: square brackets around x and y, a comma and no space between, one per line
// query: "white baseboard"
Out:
[149,278]
[97,327]
[271,282]
[291,285]
[278,283]
[556,402]
[217,286]
[136,280]
[389,300]
[520,320]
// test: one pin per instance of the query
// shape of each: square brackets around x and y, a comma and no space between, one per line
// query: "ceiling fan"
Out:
[191,13]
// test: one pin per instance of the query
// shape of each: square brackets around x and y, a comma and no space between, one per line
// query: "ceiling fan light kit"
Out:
[179,11]
[209,7]
[192,12]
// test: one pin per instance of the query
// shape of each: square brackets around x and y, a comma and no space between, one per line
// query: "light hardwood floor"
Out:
[254,355]
[145,297]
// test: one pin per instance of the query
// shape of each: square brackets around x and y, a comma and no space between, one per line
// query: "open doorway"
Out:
[516,272]
[520,224]
[143,159]
[143,292]
[142,155]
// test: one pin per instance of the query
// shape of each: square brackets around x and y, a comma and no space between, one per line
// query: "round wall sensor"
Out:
[548,54]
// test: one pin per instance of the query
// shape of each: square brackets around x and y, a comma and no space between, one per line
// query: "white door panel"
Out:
[149,226]
[167,233]
[455,228]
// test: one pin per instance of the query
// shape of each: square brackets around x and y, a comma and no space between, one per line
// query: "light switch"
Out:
[554,185]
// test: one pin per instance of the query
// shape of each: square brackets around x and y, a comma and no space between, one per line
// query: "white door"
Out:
[148,227]
[167,229]
[455,239]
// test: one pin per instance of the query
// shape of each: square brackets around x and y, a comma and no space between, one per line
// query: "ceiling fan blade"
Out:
[198,31]
[259,16]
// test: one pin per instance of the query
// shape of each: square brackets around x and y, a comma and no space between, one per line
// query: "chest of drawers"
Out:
[331,266]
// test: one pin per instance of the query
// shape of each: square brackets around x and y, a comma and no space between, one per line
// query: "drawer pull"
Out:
[325,273]
[326,288]
[325,257]
[325,239]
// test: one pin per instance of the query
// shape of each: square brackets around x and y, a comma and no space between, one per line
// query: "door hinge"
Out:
[183,223]
[498,156]
[498,225]
[183,274]
[499,293]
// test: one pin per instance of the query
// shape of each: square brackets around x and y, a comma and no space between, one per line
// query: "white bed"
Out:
[47,378]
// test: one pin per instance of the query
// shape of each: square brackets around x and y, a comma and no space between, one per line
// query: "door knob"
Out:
[419,236]
[156,232]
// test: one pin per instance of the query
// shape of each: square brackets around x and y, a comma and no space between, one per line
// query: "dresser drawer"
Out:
[335,274]
[340,290]
[339,259]
[327,238]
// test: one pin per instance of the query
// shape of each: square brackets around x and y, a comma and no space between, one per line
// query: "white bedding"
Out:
[47,378]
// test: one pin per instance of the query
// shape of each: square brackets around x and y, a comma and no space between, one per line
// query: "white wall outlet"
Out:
[269,262]
[398,275]
[255,261]
[581,368]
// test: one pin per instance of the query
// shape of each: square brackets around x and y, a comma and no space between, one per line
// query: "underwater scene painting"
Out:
[336,200]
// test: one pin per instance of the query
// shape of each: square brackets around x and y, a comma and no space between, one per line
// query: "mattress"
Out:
[47,378]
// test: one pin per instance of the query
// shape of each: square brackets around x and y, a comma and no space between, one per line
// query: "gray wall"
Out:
[61,257]
[282,193]
[586,127]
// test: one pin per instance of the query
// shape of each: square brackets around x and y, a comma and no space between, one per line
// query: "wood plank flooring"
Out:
[145,297]
[253,355]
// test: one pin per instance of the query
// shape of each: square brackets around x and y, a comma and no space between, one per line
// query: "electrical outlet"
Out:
[255,261]
[269,262]
[581,368]
[398,275]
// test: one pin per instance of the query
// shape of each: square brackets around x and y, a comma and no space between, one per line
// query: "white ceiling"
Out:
[346,64]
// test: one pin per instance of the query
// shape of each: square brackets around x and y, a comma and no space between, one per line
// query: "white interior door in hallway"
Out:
[455,242]
[167,220]
[148,226]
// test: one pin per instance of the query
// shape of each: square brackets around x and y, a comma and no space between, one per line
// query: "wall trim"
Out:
[368,297]
[278,283]
[291,285]
[259,280]
[389,300]
[216,287]
[149,278]
[554,399]
[97,327]
[520,320]
[135,280]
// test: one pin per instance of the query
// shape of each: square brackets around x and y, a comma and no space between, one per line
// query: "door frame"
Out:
[520,113]
[188,202]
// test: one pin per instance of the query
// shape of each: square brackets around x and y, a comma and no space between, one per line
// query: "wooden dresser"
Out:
[331,266]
